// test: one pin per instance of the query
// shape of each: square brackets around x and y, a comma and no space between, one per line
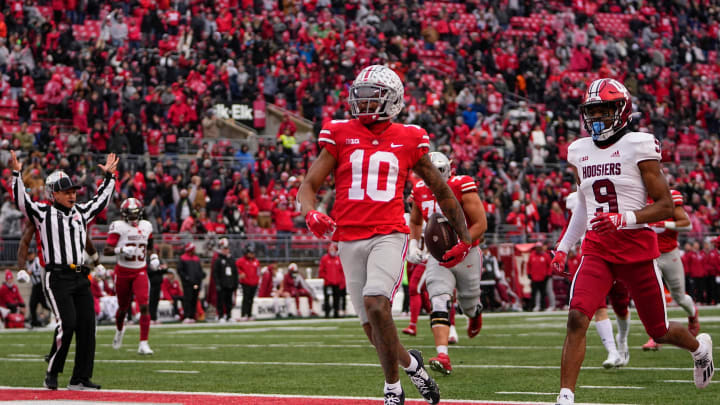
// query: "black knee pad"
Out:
[439,318]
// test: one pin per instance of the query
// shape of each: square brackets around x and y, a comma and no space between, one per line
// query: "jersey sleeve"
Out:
[677,198]
[466,184]
[646,147]
[420,140]
[414,192]
[327,137]
[113,233]
[573,151]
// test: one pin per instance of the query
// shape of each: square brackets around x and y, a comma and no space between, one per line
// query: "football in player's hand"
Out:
[439,236]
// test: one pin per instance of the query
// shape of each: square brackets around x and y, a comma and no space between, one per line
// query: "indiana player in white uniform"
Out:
[441,281]
[670,264]
[616,170]
[371,158]
[131,240]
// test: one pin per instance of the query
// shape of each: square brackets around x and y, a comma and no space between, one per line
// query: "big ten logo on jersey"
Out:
[378,170]
[352,141]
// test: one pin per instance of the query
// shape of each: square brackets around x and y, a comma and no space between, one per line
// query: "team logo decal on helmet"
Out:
[606,92]
[379,85]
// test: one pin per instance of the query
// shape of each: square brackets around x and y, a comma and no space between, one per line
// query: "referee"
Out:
[63,230]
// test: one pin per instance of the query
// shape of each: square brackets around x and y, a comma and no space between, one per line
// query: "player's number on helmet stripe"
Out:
[388,161]
[604,191]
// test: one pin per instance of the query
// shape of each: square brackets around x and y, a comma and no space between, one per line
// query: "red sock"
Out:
[310,300]
[415,304]
[452,315]
[297,304]
[120,319]
[144,326]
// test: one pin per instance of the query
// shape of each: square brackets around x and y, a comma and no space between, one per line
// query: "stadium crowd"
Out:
[495,83]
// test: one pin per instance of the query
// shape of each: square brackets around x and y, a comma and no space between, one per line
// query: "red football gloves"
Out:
[320,224]
[558,264]
[455,255]
[606,222]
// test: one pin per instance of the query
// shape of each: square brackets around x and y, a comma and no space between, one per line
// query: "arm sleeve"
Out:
[577,226]
[99,201]
[27,206]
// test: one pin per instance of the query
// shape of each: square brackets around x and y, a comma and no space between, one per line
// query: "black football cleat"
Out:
[50,381]
[425,384]
[83,385]
[392,398]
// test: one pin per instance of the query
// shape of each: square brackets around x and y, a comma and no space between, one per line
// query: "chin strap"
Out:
[612,138]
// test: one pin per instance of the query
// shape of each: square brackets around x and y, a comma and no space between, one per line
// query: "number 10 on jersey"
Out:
[371,177]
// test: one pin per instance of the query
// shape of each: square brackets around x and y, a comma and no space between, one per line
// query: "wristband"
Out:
[670,225]
[630,218]
[118,249]
[15,173]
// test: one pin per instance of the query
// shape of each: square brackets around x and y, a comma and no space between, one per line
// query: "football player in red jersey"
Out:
[670,264]
[441,281]
[371,158]
[131,240]
[616,169]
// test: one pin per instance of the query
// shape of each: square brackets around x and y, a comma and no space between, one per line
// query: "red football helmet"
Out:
[131,210]
[606,92]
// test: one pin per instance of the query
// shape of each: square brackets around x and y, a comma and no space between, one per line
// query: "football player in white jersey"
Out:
[616,170]
[131,240]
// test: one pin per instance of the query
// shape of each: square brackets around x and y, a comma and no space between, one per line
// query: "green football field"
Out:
[516,357]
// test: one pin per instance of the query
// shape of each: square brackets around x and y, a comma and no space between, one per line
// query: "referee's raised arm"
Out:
[28,207]
[104,193]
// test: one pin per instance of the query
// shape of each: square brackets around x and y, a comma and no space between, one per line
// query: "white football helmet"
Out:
[442,163]
[379,84]
[58,181]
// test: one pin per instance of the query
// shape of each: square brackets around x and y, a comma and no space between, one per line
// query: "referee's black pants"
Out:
[190,298]
[72,303]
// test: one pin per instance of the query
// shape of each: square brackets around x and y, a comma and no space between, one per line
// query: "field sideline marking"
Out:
[304,364]
[232,394]
[612,387]
[178,371]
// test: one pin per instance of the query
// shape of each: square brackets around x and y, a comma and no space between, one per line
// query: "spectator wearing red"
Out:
[171,291]
[695,270]
[10,297]
[248,271]
[287,127]
[294,286]
[283,215]
[538,269]
[331,272]
[180,113]
[99,137]
[518,220]
[267,282]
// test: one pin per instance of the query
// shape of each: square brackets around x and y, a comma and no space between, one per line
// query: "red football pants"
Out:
[594,279]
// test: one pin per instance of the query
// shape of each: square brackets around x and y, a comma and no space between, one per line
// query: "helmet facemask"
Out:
[605,124]
[365,96]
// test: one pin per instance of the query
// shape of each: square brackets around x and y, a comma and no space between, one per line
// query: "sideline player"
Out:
[441,280]
[616,170]
[131,240]
[670,264]
[371,158]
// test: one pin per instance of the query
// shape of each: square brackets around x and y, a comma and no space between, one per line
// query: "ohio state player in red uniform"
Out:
[131,240]
[671,265]
[371,158]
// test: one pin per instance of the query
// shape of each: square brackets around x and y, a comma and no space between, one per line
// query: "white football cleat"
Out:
[613,360]
[144,348]
[564,400]
[117,340]
[704,367]
[623,351]
[453,336]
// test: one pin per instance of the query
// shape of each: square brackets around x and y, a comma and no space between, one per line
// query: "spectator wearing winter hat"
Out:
[248,271]
[225,274]
[10,299]
[191,275]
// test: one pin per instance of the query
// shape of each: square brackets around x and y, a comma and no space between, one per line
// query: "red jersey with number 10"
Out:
[425,200]
[370,175]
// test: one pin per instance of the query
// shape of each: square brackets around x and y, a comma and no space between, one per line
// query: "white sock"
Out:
[442,349]
[412,367]
[604,329]
[567,393]
[395,388]
[623,328]
[701,350]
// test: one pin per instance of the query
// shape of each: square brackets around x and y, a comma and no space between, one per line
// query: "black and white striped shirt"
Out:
[62,231]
